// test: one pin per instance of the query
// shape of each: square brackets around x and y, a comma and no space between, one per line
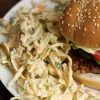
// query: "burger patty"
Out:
[80,64]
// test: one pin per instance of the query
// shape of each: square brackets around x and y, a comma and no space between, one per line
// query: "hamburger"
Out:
[80,25]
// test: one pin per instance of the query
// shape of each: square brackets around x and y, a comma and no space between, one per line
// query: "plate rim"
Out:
[10,13]
[7,16]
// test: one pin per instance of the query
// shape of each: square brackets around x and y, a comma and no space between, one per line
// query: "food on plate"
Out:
[37,55]
[81,26]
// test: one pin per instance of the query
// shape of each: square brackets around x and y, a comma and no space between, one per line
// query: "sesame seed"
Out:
[89,13]
[67,13]
[98,25]
[70,15]
[96,7]
[72,26]
[94,17]
[95,24]
[94,4]
[79,27]
[89,16]
[83,20]
[93,20]
[98,16]
[76,25]
[77,14]
[78,9]
[96,10]
[85,29]
[89,10]
[62,22]
[85,10]
[68,24]
[70,9]
[93,32]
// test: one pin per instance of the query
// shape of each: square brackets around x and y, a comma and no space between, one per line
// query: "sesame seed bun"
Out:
[81,23]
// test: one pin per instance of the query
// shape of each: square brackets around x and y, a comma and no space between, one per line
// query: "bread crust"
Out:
[69,20]
[81,23]
[89,79]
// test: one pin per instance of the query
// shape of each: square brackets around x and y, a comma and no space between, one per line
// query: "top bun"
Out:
[81,23]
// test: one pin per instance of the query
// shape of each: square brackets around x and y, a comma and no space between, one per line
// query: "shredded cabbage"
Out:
[38,55]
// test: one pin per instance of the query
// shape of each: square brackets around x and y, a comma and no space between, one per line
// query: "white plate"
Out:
[5,73]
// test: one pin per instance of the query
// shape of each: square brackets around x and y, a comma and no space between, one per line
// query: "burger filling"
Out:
[88,53]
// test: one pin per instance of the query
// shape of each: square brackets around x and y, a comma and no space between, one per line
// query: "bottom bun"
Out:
[89,79]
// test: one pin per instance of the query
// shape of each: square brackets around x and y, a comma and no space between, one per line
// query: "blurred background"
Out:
[5,5]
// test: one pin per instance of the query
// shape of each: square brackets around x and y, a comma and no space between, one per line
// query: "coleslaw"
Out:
[37,55]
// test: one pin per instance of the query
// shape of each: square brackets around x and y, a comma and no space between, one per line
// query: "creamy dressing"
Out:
[67,95]
[88,50]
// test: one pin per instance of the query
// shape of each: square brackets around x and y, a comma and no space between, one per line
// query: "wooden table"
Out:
[5,5]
